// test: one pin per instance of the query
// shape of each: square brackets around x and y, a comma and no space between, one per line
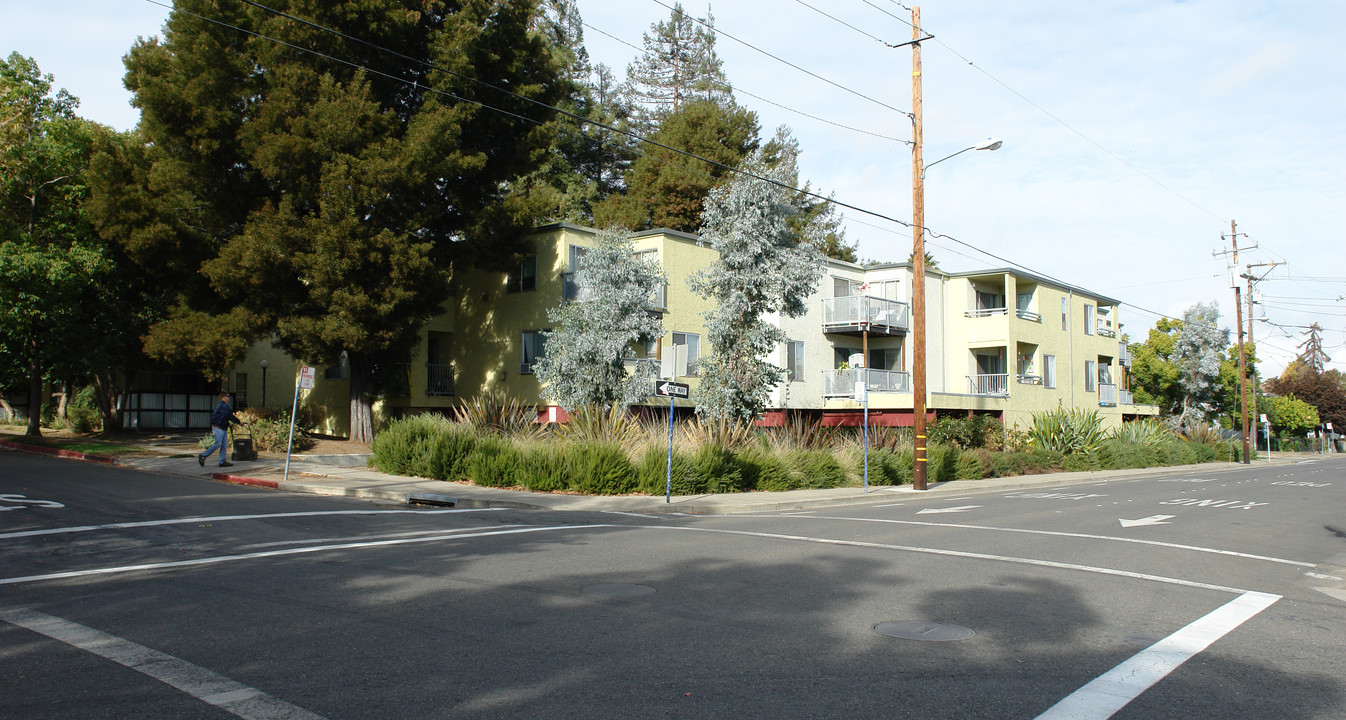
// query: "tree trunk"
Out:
[8,414]
[362,410]
[107,391]
[35,400]
[63,405]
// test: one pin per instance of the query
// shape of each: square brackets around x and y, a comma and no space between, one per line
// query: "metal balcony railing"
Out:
[1029,315]
[989,384]
[1029,379]
[841,383]
[1125,397]
[438,379]
[1105,330]
[985,312]
[1107,394]
[862,312]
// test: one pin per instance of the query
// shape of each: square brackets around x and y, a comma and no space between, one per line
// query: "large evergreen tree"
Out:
[764,267]
[1197,351]
[678,65]
[324,196]
[668,189]
[585,359]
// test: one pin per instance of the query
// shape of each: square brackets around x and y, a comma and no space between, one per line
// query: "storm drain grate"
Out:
[927,631]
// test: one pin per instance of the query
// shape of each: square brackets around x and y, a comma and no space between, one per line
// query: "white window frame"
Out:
[1049,371]
[686,356]
[794,360]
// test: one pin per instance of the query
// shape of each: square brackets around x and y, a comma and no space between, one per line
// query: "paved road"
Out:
[1204,595]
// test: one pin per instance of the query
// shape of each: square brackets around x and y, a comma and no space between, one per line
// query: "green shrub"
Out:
[765,470]
[971,465]
[941,463]
[1150,433]
[494,462]
[652,473]
[408,446]
[889,468]
[600,468]
[272,435]
[715,468]
[1006,464]
[977,431]
[543,468]
[817,469]
[447,450]
[1080,462]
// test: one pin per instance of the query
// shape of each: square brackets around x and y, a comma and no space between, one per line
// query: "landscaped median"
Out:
[610,452]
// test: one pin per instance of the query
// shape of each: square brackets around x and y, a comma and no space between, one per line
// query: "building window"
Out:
[1065,313]
[524,277]
[794,360]
[1088,319]
[842,287]
[843,355]
[686,354]
[1090,375]
[988,301]
[1049,370]
[885,358]
[241,390]
[534,347]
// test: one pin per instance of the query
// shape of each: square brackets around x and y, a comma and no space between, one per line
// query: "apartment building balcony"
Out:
[996,384]
[438,380]
[572,290]
[841,383]
[1029,379]
[1125,397]
[856,314]
[1028,315]
[1105,330]
[1107,395]
[986,312]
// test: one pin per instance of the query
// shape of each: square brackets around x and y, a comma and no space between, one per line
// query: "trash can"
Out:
[243,449]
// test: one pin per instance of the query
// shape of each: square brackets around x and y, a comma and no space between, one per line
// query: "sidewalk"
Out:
[348,476]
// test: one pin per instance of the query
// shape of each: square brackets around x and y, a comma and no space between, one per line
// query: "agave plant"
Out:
[604,423]
[497,414]
[1149,433]
[725,432]
[1069,432]
[1203,433]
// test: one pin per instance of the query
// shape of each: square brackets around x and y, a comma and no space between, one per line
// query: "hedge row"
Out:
[433,447]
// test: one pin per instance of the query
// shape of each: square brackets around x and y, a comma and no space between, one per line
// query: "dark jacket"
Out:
[223,416]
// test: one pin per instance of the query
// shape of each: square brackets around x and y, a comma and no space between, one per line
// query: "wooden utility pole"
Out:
[918,480]
[1238,313]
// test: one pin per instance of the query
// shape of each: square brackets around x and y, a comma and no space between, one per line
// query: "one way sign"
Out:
[672,389]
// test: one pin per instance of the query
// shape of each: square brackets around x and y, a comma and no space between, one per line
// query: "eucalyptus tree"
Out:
[1197,350]
[586,360]
[304,176]
[765,267]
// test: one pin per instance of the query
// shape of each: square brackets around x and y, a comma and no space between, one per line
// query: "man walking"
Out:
[220,420]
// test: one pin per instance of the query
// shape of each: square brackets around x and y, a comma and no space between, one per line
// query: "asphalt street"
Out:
[1204,594]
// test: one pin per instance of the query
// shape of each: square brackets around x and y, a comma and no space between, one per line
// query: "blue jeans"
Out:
[221,438]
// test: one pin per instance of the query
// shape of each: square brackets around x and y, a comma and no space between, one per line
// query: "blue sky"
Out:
[1134,131]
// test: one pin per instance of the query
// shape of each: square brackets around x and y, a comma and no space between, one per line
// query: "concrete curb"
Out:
[347,481]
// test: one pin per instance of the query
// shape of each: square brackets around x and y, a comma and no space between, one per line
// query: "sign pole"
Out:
[668,478]
[306,375]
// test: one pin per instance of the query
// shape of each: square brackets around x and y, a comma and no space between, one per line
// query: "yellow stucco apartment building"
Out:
[1002,342]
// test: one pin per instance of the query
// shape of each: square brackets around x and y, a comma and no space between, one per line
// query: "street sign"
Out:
[306,377]
[672,389]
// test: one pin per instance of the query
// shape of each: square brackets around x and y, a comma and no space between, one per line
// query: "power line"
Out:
[786,108]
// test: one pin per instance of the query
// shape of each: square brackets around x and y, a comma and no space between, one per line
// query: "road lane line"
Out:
[278,553]
[205,685]
[381,536]
[1107,694]
[1055,533]
[957,553]
[223,518]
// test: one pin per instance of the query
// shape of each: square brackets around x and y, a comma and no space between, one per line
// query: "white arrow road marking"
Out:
[1151,520]
[960,508]
[1334,592]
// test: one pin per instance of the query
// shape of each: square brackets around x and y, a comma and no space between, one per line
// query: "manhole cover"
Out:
[618,590]
[927,631]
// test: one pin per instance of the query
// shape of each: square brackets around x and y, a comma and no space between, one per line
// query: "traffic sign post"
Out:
[673,390]
[306,377]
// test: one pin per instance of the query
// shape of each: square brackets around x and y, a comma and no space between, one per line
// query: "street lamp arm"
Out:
[987,144]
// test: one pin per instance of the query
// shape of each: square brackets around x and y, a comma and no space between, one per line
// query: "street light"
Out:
[918,288]
[918,168]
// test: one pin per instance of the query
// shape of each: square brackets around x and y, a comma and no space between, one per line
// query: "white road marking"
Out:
[888,505]
[631,514]
[1109,693]
[1337,593]
[958,509]
[960,554]
[1055,533]
[223,518]
[277,553]
[1320,576]
[409,533]
[1151,520]
[205,685]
